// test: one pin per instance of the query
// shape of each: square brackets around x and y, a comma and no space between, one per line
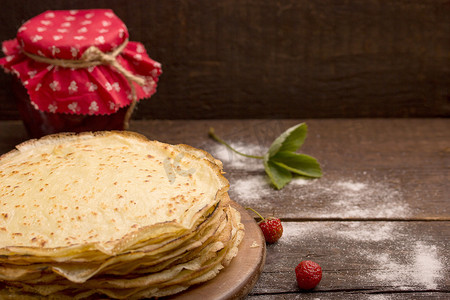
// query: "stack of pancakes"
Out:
[112,214]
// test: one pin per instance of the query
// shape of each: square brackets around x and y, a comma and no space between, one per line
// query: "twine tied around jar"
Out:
[93,56]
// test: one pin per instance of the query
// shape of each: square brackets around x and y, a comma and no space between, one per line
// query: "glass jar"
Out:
[39,123]
[77,70]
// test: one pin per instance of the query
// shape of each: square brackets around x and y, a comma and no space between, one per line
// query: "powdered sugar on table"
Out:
[323,198]
[405,261]
[233,160]
[395,254]
[330,198]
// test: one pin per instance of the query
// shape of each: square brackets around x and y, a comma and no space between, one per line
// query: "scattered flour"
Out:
[251,189]
[343,198]
[379,297]
[232,160]
[294,232]
[373,232]
[405,263]
[322,198]
[422,268]
[301,181]
[354,231]
[351,186]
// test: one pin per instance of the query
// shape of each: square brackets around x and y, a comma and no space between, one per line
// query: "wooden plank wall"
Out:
[279,59]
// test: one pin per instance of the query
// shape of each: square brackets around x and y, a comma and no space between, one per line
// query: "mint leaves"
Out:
[282,159]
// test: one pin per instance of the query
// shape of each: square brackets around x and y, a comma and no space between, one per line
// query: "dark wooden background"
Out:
[279,59]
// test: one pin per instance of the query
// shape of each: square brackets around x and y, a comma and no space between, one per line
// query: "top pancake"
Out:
[103,191]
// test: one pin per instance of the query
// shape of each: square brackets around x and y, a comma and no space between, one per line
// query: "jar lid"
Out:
[48,47]
[67,34]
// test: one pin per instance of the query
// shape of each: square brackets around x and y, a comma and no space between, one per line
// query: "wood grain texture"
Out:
[360,258]
[279,59]
[351,295]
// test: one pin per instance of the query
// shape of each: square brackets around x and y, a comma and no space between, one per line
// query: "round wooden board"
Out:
[236,280]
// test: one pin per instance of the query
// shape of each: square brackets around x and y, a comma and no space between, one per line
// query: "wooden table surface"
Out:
[378,221]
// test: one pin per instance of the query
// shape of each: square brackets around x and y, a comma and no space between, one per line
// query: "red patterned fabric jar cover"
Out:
[80,62]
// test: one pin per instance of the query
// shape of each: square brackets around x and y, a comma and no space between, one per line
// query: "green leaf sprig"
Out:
[282,159]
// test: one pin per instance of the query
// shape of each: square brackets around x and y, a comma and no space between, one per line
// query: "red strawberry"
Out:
[308,274]
[271,228]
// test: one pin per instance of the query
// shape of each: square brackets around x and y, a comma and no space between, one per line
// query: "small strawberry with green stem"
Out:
[271,227]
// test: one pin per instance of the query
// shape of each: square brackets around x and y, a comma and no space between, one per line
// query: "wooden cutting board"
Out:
[236,280]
